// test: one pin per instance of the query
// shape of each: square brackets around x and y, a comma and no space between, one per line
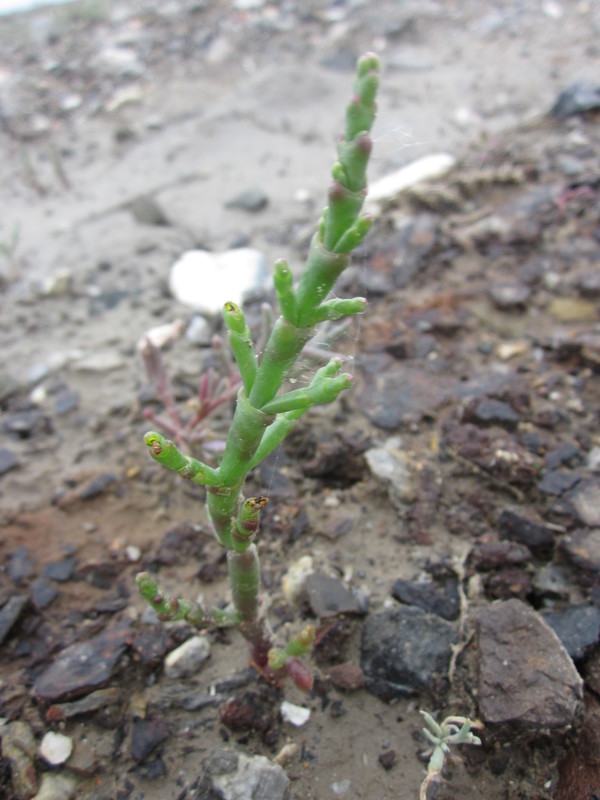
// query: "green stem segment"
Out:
[263,415]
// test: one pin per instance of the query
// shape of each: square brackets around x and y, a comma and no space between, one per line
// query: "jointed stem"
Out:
[264,414]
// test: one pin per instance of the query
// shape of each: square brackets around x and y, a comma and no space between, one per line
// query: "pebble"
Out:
[295,715]
[199,331]
[252,200]
[556,482]
[347,677]
[42,593]
[328,597]
[551,583]
[161,335]
[56,786]
[585,499]
[582,548]
[293,582]
[205,281]
[60,571]
[231,776]
[10,613]
[577,98]
[389,464]
[527,530]
[146,736]
[55,748]
[578,628]
[20,566]
[186,660]
[8,460]
[102,361]
[386,189]
[147,211]
[19,747]
[527,681]
[573,309]
[509,297]
[403,649]
[403,394]
[81,668]
[444,604]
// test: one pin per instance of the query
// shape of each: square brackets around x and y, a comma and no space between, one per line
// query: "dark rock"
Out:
[583,549]
[151,770]
[150,646]
[328,597]
[578,628]
[492,555]
[252,200]
[491,412]
[527,681]
[387,759]
[251,711]
[26,424]
[444,604]
[526,529]
[577,98]
[20,565]
[8,460]
[42,593]
[101,699]
[60,571]
[507,583]
[509,296]
[147,734]
[98,486]
[403,394]
[563,454]
[402,651]
[10,613]
[81,668]
[347,677]
[556,482]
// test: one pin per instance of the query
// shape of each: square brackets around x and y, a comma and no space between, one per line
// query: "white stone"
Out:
[389,463]
[294,580]
[255,777]
[199,331]
[295,715]
[205,281]
[162,335]
[133,553]
[56,786]
[103,361]
[187,659]
[423,169]
[55,748]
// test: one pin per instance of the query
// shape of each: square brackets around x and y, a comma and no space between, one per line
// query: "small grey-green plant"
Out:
[265,414]
[452,731]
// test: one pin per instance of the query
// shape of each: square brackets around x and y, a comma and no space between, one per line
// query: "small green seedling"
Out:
[266,411]
[453,730]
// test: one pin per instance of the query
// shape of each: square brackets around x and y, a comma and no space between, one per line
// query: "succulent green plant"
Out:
[265,414]
[452,731]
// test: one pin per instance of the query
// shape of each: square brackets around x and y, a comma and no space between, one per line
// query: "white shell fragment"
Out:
[55,748]
[187,659]
[295,715]
[205,281]
[423,169]
[294,580]
[162,335]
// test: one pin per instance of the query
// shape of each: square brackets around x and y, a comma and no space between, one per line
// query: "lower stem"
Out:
[244,574]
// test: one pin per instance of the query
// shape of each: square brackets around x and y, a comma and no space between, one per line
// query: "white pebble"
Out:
[206,281]
[294,580]
[55,748]
[133,553]
[295,715]
[390,186]
[187,659]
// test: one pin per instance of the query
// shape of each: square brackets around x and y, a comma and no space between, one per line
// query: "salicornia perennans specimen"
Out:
[264,416]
